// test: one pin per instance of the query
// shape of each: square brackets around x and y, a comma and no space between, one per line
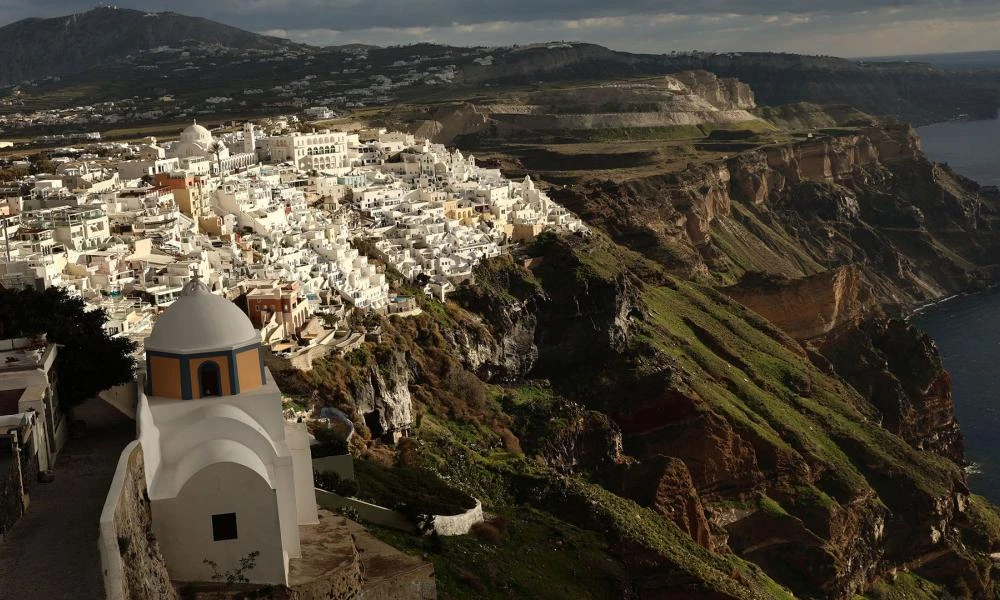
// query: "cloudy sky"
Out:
[837,27]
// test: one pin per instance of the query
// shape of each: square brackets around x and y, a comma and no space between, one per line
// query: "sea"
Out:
[967,328]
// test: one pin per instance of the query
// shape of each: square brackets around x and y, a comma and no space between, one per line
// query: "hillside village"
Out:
[208,252]
[268,219]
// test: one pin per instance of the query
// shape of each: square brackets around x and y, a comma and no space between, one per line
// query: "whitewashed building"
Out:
[226,474]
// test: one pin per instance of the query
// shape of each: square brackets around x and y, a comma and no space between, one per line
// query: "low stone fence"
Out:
[132,566]
[386,517]
[12,496]
[372,513]
[342,465]
[459,524]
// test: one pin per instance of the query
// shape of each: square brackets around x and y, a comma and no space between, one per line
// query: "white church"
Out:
[226,474]
[197,143]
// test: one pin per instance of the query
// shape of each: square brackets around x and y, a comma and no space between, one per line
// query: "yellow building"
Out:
[203,346]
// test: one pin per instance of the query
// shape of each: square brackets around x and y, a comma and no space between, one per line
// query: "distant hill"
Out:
[109,54]
[915,91]
[34,48]
[984,59]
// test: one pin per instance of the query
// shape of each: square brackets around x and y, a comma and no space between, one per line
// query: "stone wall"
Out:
[12,504]
[459,524]
[372,513]
[130,557]
[342,465]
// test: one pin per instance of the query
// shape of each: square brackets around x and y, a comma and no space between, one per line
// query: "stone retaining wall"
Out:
[342,465]
[133,567]
[366,511]
[380,515]
[459,524]
[12,504]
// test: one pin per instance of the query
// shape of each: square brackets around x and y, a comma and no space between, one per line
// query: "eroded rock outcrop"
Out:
[723,93]
[383,396]
[808,307]
[681,99]
[899,371]
[664,483]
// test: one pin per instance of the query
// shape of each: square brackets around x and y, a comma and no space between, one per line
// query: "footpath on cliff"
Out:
[52,552]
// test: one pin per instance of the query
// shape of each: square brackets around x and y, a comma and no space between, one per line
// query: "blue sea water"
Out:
[967,332]
[969,147]
[967,329]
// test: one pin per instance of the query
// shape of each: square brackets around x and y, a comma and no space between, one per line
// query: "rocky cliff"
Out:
[717,385]
[808,307]
[749,442]
[879,88]
[867,197]
[723,93]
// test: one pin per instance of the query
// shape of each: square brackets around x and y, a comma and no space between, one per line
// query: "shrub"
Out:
[471,580]
[468,387]
[331,443]
[332,482]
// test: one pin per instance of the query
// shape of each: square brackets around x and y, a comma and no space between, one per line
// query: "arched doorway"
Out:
[209,379]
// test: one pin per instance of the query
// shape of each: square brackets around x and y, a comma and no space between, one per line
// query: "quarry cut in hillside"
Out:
[682,99]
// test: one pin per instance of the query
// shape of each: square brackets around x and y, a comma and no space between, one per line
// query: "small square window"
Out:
[224,526]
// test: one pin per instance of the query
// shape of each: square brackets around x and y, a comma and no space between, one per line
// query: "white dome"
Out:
[199,321]
[197,134]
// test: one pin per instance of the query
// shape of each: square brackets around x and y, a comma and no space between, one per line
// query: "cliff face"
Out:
[899,371]
[383,396]
[776,78]
[733,387]
[819,461]
[723,93]
[867,198]
[808,307]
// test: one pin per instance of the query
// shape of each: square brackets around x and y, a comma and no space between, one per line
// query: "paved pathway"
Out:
[51,552]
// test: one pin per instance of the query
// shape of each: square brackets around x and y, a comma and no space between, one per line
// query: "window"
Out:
[209,379]
[224,527]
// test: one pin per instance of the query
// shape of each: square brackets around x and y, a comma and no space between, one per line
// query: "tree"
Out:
[89,360]
[237,574]
[217,148]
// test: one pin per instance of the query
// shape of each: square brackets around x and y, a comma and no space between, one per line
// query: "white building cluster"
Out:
[241,207]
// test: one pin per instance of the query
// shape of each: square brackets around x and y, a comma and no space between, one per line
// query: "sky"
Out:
[846,28]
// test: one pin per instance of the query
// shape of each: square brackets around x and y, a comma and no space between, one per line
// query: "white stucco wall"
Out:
[342,465]
[183,525]
[297,438]
[111,559]
[372,513]
[459,524]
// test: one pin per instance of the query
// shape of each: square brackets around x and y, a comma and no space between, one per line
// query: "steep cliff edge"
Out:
[729,404]
[746,440]
[723,93]
[808,307]
[866,197]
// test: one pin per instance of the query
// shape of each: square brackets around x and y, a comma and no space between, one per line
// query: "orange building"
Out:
[281,301]
[189,192]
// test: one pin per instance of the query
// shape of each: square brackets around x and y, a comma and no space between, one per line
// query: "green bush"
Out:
[330,443]
[332,482]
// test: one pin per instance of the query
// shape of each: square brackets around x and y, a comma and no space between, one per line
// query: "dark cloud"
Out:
[358,14]
[707,24]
